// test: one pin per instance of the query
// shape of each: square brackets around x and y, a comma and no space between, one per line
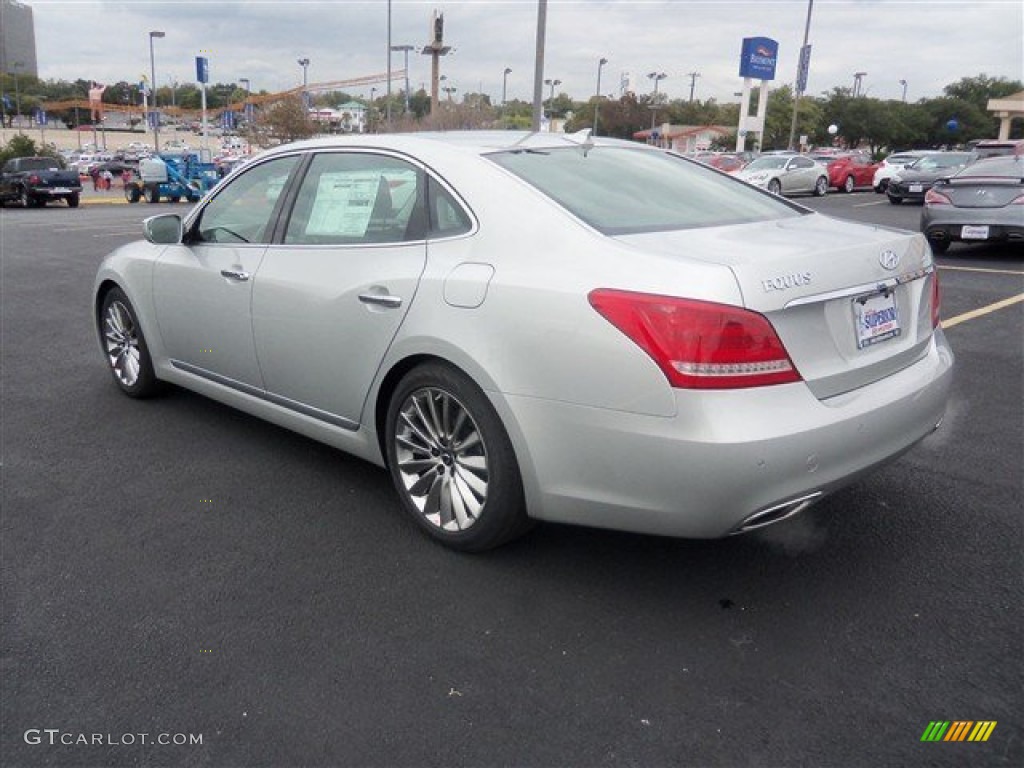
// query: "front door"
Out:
[203,288]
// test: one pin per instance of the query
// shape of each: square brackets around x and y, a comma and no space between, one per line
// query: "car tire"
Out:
[132,194]
[175,198]
[775,187]
[848,185]
[894,200]
[883,185]
[27,200]
[153,195]
[73,200]
[125,346]
[939,246]
[821,187]
[452,462]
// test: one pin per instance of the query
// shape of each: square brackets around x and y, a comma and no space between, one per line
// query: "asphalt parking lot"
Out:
[175,568]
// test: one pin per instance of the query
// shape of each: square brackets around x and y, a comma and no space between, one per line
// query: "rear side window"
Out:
[620,191]
[447,218]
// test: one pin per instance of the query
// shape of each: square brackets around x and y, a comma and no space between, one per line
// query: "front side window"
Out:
[619,190]
[350,198]
[243,211]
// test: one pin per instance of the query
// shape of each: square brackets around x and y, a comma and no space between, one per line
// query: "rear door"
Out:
[330,297]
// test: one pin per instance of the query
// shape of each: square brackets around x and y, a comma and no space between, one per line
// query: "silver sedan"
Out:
[540,327]
[787,175]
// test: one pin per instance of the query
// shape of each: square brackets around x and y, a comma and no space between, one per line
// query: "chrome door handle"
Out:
[381,299]
[234,275]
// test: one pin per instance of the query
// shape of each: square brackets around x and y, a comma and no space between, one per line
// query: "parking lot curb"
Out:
[103,201]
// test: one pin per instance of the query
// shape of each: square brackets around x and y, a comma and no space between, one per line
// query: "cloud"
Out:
[929,43]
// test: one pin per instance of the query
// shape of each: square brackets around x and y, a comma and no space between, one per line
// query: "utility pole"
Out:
[801,75]
[693,82]
[538,66]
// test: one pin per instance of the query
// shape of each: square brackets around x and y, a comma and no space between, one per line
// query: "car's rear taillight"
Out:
[33,179]
[699,344]
[932,197]
[936,299]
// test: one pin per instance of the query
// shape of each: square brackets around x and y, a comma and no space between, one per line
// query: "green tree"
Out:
[287,120]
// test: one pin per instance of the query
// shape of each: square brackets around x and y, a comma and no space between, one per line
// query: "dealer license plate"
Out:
[916,188]
[972,232]
[60,191]
[877,318]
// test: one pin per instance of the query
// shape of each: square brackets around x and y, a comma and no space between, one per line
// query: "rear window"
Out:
[621,191]
[994,168]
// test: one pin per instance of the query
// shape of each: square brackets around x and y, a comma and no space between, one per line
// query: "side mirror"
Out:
[165,229]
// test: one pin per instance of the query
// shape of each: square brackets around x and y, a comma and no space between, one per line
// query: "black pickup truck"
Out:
[34,181]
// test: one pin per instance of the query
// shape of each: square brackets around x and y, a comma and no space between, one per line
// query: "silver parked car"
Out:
[540,327]
[984,202]
[786,174]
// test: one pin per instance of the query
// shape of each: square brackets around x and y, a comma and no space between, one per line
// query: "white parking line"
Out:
[983,311]
[865,205]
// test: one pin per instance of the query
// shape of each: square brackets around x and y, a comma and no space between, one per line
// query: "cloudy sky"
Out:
[929,43]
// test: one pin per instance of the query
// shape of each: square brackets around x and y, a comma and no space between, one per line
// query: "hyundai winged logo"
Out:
[889,259]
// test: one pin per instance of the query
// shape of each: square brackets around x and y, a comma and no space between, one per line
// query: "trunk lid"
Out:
[850,302]
[991,193]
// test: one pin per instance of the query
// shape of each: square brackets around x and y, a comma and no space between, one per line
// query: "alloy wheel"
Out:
[441,459]
[121,340]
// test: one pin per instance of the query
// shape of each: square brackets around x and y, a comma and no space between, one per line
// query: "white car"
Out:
[540,327]
[891,166]
[786,174]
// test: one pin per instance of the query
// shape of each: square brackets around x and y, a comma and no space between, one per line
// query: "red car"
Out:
[849,171]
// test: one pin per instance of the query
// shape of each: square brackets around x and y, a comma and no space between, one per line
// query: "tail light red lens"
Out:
[33,179]
[699,344]
[936,299]
[932,197]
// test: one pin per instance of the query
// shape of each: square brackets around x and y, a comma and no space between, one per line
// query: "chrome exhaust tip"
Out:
[777,513]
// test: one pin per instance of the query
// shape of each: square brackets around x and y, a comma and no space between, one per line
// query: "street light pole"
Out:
[248,93]
[304,63]
[405,49]
[657,77]
[551,98]
[904,84]
[152,85]
[597,94]
[504,84]
[17,94]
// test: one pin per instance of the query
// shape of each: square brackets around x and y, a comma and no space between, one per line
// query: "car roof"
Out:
[469,142]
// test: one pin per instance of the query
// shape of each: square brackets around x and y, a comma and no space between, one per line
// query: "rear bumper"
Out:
[724,457]
[947,225]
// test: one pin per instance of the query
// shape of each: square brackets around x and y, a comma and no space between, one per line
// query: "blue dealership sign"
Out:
[758,58]
[202,69]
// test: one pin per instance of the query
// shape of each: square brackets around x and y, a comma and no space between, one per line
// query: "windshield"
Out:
[944,160]
[623,191]
[767,163]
